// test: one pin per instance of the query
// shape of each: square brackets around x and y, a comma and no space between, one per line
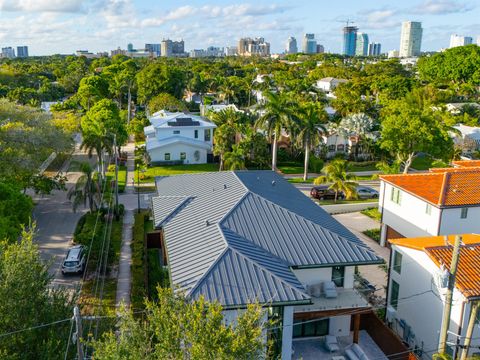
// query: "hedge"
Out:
[138,275]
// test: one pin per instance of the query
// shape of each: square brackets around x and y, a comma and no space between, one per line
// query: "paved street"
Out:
[56,223]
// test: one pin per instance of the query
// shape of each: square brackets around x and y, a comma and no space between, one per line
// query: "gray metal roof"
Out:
[233,237]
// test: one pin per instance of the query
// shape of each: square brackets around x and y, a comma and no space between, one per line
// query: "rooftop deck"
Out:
[346,299]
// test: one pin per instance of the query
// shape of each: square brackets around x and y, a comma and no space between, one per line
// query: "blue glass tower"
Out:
[349,40]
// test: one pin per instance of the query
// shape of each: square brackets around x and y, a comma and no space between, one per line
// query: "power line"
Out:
[34,327]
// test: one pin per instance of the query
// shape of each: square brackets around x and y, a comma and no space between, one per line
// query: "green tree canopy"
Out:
[165,101]
[156,78]
[174,321]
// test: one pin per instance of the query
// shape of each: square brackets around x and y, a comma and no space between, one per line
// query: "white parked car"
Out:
[75,260]
[367,193]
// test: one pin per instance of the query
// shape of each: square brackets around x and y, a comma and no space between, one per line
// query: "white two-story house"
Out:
[250,236]
[178,138]
[417,287]
[440,202]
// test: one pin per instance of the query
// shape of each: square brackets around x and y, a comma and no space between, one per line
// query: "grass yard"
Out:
[122,177]
[167,170]
[290,167]
[300,180]
[373,234]
[331,202]
[362,166]
[427,162]
[372,213]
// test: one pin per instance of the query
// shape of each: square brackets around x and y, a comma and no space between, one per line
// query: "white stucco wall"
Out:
[420,303]
[453,224]
[319,275]
[410,217]
[340,325]
[175,149]
[185,131]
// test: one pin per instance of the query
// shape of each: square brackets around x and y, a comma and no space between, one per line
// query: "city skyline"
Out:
[102,25]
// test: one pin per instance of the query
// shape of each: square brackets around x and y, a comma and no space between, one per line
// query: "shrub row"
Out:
[138,275]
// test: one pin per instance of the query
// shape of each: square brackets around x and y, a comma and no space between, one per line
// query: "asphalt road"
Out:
[374,184]
[56,223]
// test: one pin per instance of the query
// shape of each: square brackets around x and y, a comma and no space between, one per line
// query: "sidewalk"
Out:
[124,271]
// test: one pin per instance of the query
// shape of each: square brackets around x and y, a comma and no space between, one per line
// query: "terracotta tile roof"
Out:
[452,187]
[468,272]
[454,169]
[466,163]
[467,279]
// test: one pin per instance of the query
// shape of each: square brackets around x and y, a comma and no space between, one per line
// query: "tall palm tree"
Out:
[235,159]
[336,174]
[276,117]
[85,189]
[309,120]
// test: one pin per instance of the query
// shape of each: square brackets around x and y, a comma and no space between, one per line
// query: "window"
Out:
[308,328]
[340,147]
[394,295]
[207,134]
[428,209]
[167,156]
[183,156]
[396,196]
[176,132]
[397,262]
[338,275]
[464,213]
[195,134]
[331,148]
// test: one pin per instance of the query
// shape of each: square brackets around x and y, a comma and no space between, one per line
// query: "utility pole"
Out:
[116,176]
[471,325]
[449,295]
[78,325]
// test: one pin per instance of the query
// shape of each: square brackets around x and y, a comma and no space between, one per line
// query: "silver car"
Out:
[367,193]
[74,262]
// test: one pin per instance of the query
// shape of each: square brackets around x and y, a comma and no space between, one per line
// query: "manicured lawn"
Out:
[331,202]
[300,180]
[373,234]
[372,213]
[362,166]
[167,170]
[122,177]
[291,168]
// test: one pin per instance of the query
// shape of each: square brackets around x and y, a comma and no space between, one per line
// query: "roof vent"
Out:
[273,182]
[224,186]
[207,222]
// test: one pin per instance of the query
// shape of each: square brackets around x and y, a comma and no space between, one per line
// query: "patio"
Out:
[345,299]
[313,348]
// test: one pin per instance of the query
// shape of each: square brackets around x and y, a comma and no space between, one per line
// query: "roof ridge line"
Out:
[315,224]
[444,188]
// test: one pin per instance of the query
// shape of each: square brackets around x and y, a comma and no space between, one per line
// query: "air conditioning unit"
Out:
[391,313]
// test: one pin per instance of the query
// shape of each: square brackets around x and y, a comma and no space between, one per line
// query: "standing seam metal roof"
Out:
[236,235]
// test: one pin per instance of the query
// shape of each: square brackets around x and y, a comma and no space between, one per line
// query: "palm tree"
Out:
[336,174]
[309,120]
[358,125]
[276,117]
[235,159]
[85,189]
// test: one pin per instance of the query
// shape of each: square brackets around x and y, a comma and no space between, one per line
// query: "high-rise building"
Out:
[231,51]
[169,48]
[361,46]
[8,52]
[320,49]
[22,51]
[309,44]
[153,48]
[291,47]
[253,47]
[458,40]
[374,49]
[118,51]
[130,47]
[349,40]
[410,39]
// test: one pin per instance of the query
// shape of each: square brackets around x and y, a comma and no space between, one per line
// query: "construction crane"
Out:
[347,22]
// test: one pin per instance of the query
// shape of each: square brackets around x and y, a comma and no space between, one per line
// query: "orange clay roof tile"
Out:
[466,163]
[452,187]
[468,272]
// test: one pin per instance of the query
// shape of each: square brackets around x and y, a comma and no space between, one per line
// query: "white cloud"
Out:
[442,7]
[72,6]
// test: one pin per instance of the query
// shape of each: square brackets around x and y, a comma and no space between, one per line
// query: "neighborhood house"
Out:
[247,236]
[178,138]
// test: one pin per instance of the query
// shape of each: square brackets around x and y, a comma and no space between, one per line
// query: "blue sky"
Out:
[63,26]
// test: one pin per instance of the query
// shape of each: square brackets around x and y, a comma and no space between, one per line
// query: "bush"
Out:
[157,274]
[138,275]
[372,213]
[315,164]
[373,234]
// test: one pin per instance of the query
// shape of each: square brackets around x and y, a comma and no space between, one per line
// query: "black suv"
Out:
[322,192]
